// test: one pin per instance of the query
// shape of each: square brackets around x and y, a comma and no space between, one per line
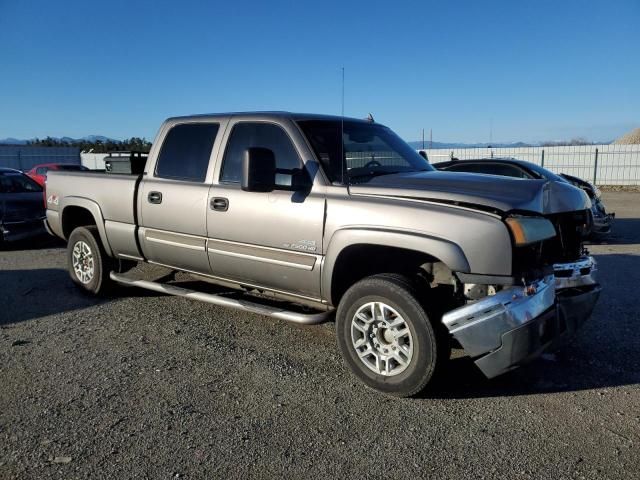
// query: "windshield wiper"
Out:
[371,174]
[379,173]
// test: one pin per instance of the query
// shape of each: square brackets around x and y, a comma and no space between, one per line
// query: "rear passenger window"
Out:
[266,135]
[186,150]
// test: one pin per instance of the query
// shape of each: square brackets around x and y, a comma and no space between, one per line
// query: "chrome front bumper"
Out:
[577,292]
[581,273]
[484,328]
[505,330]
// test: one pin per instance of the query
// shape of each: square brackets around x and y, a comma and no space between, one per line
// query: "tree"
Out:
[136,144]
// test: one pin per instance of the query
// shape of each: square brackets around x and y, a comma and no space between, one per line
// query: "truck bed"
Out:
[113,196]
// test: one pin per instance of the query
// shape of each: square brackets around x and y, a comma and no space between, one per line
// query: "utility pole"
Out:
[423,138]
[430,138]
[490,131]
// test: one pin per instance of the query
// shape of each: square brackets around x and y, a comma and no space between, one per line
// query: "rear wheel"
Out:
[89,265]
[386,337]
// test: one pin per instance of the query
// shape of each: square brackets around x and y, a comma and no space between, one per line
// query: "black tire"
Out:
[102,264]
[430,348]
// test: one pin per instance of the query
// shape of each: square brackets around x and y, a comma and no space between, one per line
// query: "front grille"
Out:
[565,247]
[570,228]
[529,262]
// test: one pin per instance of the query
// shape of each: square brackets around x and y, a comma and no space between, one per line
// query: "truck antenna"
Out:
[343,160]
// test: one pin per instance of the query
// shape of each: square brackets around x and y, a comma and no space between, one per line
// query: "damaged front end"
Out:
[577,292]
[503,330]
[553,292]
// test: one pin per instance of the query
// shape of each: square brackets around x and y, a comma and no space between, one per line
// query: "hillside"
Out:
[631,138]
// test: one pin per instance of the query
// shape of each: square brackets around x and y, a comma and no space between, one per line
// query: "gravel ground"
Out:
[148,386]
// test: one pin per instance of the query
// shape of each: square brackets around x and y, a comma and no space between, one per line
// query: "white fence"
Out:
[600,164]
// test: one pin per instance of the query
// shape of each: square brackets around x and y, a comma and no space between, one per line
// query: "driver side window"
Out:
[265,135]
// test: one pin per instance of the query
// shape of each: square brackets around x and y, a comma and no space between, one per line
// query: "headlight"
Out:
[596,211]
[527,230]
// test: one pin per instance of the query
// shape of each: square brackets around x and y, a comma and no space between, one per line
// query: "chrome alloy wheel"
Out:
[382,339]
[83,262]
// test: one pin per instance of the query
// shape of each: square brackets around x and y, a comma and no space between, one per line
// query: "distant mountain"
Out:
[12,141]
[418,145]
[88,138]
[101,138]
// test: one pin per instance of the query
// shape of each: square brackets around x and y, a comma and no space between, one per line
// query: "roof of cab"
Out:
[266,116]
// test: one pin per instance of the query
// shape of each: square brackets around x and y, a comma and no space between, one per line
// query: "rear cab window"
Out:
[186,151]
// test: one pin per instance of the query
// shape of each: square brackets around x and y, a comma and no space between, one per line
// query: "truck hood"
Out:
[485,191]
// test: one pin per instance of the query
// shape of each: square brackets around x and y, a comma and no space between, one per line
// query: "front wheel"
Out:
[89,265]
[386,337]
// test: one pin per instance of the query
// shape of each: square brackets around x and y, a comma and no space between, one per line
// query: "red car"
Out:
[39,172]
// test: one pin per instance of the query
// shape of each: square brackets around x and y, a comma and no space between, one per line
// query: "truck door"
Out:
[271,239]
[174,198]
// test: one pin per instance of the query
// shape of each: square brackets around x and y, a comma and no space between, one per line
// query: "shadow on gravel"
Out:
[624,231]
[562,371]
[30,294]
[603,354]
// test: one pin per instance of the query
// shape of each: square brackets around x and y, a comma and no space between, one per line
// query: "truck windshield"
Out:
[366,150]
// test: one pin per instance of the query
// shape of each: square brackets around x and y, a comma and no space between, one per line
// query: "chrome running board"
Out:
[247,306]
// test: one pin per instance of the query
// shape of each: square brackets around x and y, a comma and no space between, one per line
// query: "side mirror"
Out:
[258,170]
[423,154]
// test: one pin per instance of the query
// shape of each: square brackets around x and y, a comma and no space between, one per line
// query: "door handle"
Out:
[219,204]
[154,197]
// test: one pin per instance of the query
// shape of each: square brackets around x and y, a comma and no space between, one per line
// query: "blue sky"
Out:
[535,70]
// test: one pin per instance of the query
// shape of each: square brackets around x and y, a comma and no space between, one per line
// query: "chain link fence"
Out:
[600,164]
[25,157]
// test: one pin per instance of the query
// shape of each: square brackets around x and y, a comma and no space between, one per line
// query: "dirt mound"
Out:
[631,138]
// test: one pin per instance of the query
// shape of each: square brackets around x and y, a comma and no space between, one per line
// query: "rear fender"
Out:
[93,208]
